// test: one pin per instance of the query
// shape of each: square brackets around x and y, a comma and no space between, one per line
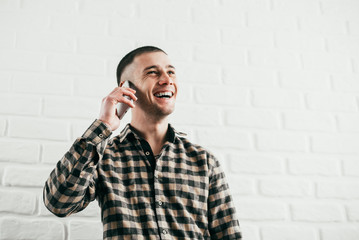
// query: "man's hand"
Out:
[108,107]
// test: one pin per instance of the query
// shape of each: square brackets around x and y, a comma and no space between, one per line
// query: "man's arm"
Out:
[72,184]
[223,224]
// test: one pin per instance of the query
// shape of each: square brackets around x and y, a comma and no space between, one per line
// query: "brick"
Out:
[353,26]
[53,152]
[314,165]
[193,33]
[271,20]
[47,42]
[331,102]
[346,232]
[343,9]
[327,62]
[277,98]
[256,164]
[196,116]
[219,15]
[38,128]
[3,125]
[306,80]
[42,84]
[343,44]
[76,64]
[300,42]
[247,37]
[107,8]
[85,230]
[248,76]
[19,151]
[184,95]
[17,228]
[198,73]
[139,29]
[20,104]
[252,118]
[23,21]
[311,121]
[353,211]
[321,24]
[240,185]
[225,55]
[346,82]
[163,11]
[5,81]
[335,143]
[221,95]
[270,59]
[351,167]
[252,5]
[66,6]
[7,40]
[230,138]
[317,212]
[23,202]
[256,210]
[9,4]
[250,231]
[79,24]
[288,142]
[297,7]
[22,61]
[340,190]
[72,107]
[348,122]
[104,45]
[289,233]
[84,86]
[26,176]
[286,187]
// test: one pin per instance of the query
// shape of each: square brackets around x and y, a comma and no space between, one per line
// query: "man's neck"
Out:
[153,130]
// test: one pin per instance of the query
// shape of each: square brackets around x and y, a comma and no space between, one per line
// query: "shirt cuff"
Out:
[97,132]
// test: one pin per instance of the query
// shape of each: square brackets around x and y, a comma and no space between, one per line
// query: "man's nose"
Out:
[165,79]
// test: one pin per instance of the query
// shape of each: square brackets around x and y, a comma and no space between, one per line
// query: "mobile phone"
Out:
[122,108]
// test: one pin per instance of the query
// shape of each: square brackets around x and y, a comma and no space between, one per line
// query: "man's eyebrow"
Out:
[156,66]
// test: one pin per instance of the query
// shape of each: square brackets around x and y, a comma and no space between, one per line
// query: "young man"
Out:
[150,181]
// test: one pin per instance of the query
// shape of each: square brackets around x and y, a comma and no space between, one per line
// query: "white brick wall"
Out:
[270,86]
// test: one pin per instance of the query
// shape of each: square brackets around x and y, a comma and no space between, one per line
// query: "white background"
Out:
[270,86]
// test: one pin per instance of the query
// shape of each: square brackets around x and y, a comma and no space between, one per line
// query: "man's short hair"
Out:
[128,59]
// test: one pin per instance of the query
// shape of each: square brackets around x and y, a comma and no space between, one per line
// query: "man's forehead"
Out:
[152,59]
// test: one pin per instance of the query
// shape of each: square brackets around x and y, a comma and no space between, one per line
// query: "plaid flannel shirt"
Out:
[184,197]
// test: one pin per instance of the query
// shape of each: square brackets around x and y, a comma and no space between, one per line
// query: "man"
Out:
[150,181]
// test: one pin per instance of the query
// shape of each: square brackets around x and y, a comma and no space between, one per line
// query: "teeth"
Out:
[164,94]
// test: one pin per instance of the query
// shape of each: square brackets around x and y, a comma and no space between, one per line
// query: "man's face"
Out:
[155,83]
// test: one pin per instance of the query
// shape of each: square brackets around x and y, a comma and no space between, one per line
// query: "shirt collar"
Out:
[128,131]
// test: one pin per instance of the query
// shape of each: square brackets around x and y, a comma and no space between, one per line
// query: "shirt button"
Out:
[100,135]
[159,202]
[147,153]
[164,231]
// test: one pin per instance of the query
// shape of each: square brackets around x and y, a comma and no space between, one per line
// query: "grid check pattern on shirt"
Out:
[185,197]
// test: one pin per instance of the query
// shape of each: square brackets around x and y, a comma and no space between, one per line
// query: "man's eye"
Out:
[171,72]
[152,72]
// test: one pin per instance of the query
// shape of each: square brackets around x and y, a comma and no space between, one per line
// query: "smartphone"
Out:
[122,108]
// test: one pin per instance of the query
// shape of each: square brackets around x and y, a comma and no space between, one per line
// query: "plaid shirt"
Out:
[183,196]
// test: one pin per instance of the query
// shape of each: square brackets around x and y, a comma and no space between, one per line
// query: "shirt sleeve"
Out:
[222,221]
[71,186]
